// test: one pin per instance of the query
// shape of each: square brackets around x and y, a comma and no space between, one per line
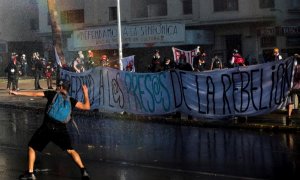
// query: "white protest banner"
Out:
[188,54]
[128,63]
[58,61]
[240,91]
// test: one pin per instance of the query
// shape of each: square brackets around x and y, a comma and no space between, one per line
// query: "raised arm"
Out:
[28,93]
[86,104]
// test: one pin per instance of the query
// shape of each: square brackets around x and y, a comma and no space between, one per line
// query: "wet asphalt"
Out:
[265,147]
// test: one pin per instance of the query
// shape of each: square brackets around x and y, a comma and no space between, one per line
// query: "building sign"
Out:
[289,30]
[268,31]
[279,31]
[147,33]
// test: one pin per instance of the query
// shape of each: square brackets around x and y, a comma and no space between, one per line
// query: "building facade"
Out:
[253,27]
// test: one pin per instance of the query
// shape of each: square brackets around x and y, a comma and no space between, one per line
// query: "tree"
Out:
[56,30]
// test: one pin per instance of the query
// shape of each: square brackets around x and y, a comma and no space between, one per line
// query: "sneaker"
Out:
[84,174]
[27,175]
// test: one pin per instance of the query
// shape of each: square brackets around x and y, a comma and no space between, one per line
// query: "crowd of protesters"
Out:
[201,61]
[39,67]
[18,66]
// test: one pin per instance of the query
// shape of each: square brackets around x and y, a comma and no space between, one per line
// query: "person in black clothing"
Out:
[216,63]
[38,67]
[199,62]
[168,65]
[24,64]
[182,57]
[52,130]
[13,72]
[155,64]
[183,65]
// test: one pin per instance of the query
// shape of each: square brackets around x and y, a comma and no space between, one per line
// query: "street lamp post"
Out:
[119,35]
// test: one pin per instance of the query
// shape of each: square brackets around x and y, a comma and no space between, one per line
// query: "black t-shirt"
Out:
[38,65]
[50,95]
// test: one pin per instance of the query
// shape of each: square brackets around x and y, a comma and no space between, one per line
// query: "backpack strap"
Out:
[53,100]
[75,125]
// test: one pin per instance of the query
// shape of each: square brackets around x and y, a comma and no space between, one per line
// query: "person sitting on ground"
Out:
[53,130]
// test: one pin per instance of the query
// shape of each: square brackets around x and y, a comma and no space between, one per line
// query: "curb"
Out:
[229,124]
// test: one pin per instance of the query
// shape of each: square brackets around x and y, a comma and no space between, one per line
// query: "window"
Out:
[266,4]
[187,6]
[72,16]
[149,8]
[113,13]
[294,4]
[225,5]
[3,48]
[293,41]
[268,41]
[34,24]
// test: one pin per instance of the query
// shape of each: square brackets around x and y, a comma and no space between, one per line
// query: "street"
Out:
[122,149]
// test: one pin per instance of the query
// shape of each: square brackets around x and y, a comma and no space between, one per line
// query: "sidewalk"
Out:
[275,121]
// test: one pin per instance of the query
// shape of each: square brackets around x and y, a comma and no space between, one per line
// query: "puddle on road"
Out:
[225,151]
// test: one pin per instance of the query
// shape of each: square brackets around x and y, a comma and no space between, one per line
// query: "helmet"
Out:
[235,51]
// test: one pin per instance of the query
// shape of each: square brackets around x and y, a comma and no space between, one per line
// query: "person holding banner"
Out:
[129,66]
[168,65]
[216,63]
[277,56]
[295,91]
[78,65]
[155,64]
[183,65]
[182,57]
[237,59]
[90,63]
[199,62]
